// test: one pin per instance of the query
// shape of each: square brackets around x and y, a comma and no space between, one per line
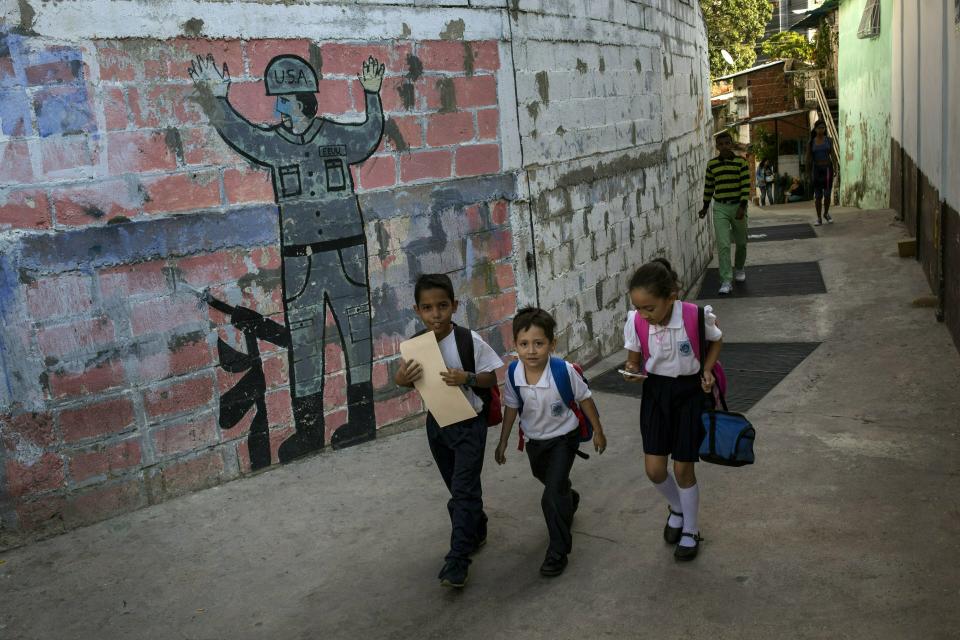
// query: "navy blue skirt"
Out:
[670,422]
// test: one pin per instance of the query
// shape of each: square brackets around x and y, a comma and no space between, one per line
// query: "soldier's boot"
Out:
[362,421]
[308,420]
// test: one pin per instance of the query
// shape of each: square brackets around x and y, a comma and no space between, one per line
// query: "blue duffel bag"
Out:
[728,440]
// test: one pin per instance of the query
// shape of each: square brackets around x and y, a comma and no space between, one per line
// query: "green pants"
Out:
[725,224]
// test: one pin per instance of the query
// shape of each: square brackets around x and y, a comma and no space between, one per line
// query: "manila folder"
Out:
[448,404]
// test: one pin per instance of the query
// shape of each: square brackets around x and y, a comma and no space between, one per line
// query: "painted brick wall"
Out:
[120,206]
[614,126]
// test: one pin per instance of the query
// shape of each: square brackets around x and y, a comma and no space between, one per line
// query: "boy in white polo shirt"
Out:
[551,429]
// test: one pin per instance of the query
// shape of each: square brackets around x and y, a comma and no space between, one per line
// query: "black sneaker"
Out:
[553,565]
[453,574]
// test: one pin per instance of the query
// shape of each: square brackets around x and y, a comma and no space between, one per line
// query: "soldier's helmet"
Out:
[289,74]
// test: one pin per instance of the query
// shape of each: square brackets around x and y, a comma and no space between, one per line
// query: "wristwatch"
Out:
[471,379]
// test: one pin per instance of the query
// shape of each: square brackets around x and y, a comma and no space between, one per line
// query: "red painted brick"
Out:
[335,390]
[449,128]
[445,55]
[26,209]
[96,420]
[95,379]
[499,213]
[138,151]
[279,407]
[386,345]
[213,268]
[202,145]
[44,474]
[182,192]
[389,94]
[506,278]
[476,91]
[266,257]
[35,428]
[105,460]
[247,185]
[494,309]
[163,314]
[96,202]
[181,359]
[276,371]
[116,64]
[134,279]
[478,159]
[165,105]
[333,357]
[488,124]
[251,100]
[205,470]
[486,55]
[183,50]
[66,154]
[102,502]
[261,52]
[115,108]
[494,245]
[398,408]
[53,73]
[348,59]
[52,296]
[474,218]
[334,97]
[41,514]
[425,164]
[333,421]
[15,165]
[178,397]
[198,432]
[410,130]
[377,172]
[80,335]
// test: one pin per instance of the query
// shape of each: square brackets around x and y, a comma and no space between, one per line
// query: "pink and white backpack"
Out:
[693,324]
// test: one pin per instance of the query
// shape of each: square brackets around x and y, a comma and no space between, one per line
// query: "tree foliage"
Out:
[788,44]
[737,26]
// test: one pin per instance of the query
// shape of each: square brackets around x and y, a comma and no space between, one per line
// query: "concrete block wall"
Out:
[120,205]
[614,125]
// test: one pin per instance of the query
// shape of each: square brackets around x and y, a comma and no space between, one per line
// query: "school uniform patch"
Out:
[685,349]
[556,409]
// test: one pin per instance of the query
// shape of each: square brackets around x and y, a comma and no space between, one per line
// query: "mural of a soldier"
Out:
[321,231]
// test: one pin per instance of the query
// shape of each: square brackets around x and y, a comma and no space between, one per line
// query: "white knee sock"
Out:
[669,490]
[690,499]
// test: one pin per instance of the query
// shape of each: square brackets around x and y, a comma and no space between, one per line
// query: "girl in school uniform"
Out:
[674,393]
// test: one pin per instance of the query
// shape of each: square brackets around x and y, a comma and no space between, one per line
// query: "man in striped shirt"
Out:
[728,185]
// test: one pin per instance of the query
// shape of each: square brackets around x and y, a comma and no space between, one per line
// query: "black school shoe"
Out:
[688,553]
[671,535]
[553,565]
[453,574]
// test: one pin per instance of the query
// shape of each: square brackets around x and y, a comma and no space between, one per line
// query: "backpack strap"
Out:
[561,378]
[642,327]
[692,322]
[464,339]
[512,381]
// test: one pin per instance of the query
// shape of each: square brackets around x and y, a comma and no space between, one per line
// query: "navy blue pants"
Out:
[550,462]
[458,451]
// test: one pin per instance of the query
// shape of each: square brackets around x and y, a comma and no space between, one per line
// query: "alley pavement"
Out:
[846,526]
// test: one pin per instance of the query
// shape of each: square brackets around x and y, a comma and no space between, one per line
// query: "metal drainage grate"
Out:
[752,368]
[767,280]
[801,231]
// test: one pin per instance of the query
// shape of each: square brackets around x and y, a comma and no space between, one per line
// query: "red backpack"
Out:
[693,325]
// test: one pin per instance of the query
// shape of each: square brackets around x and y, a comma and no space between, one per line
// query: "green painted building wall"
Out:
[864,77]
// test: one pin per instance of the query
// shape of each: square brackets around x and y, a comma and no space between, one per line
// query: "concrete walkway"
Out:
[845,528]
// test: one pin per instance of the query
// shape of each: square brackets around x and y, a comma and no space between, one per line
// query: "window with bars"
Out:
[870,20]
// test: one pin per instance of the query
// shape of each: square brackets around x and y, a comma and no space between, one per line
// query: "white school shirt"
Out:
[484,357]
[544,414]
[671,352]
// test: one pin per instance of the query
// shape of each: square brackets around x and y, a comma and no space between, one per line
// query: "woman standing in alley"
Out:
[820,163]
